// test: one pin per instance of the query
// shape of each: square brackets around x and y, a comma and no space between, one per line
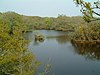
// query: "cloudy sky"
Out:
[44,8]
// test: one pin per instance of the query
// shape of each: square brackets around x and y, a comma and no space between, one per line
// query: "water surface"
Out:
[58,51]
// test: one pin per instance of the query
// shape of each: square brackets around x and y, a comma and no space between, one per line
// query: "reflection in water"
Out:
[62,39]
[90,51]
[63,58]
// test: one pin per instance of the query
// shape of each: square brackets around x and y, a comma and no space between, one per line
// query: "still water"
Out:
[65,59]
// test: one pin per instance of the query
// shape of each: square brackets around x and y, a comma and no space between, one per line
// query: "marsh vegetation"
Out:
[15,58]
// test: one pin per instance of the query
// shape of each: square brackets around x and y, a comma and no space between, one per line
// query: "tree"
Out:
[89,10]
[15,58]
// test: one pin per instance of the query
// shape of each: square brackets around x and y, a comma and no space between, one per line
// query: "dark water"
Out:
[58,51]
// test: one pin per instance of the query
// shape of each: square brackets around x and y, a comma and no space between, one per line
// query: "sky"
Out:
[43,8]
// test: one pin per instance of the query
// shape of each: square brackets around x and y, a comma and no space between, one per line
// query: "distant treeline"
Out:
[82,30]
[28,23]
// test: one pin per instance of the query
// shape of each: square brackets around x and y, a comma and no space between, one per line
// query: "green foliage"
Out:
[90,32]
[15,58]
[29,23]
[88,10]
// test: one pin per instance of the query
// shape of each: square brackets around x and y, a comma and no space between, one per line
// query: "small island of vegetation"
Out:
[16,59]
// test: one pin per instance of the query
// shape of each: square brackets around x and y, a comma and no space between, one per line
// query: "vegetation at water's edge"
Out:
[89,32]
[76,24]
[16,59]
[29,23]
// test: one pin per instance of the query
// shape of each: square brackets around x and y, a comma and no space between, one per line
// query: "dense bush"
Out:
[15,58]
[88,32]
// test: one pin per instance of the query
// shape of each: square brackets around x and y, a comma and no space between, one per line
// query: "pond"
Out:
[64,58]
